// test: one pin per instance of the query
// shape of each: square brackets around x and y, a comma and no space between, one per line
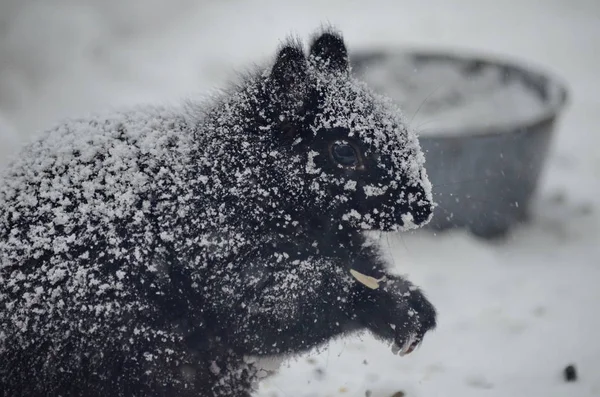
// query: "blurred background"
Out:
[514,311]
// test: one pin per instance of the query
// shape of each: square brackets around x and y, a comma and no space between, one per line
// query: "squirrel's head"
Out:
[337,153]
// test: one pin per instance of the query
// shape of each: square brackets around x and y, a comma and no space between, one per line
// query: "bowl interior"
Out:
[447,93]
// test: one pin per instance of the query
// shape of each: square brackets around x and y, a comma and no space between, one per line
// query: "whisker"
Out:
[423,102]
[387,237]
[419,127]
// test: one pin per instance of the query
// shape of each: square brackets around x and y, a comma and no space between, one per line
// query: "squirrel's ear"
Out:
[289,71]
[330,50]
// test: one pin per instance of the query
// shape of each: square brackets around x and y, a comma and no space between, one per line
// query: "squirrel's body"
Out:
[145,253]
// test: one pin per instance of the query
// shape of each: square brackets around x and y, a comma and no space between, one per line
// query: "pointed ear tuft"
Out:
[330,49]
[289,71]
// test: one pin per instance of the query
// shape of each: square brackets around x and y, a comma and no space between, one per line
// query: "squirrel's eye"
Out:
[344,154]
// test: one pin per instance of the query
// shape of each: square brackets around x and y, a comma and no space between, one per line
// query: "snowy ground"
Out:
[513,313]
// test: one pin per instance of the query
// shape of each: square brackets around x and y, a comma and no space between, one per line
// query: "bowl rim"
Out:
[548,116]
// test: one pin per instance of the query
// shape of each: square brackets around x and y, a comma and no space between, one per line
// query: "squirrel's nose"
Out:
[421,213]
[420,210]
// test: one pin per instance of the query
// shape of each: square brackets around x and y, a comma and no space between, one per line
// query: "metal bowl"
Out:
[486,129]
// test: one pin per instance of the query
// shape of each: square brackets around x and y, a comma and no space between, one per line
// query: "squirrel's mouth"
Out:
[394,219]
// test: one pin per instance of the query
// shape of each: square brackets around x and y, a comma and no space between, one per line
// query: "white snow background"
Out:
[513,313]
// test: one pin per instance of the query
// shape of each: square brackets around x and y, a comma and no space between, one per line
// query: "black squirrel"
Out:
[150,252]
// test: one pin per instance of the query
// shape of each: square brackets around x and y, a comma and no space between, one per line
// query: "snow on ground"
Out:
[513,313]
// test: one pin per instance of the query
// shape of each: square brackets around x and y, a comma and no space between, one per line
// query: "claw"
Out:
[407,347]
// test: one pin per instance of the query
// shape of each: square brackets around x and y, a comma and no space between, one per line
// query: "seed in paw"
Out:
[368,281]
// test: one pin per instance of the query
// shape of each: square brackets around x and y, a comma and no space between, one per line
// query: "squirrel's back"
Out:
[83,210]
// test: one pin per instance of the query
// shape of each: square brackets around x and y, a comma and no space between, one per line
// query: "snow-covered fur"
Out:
[145,253]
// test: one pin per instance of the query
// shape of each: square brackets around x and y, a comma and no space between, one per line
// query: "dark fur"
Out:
[279,285]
